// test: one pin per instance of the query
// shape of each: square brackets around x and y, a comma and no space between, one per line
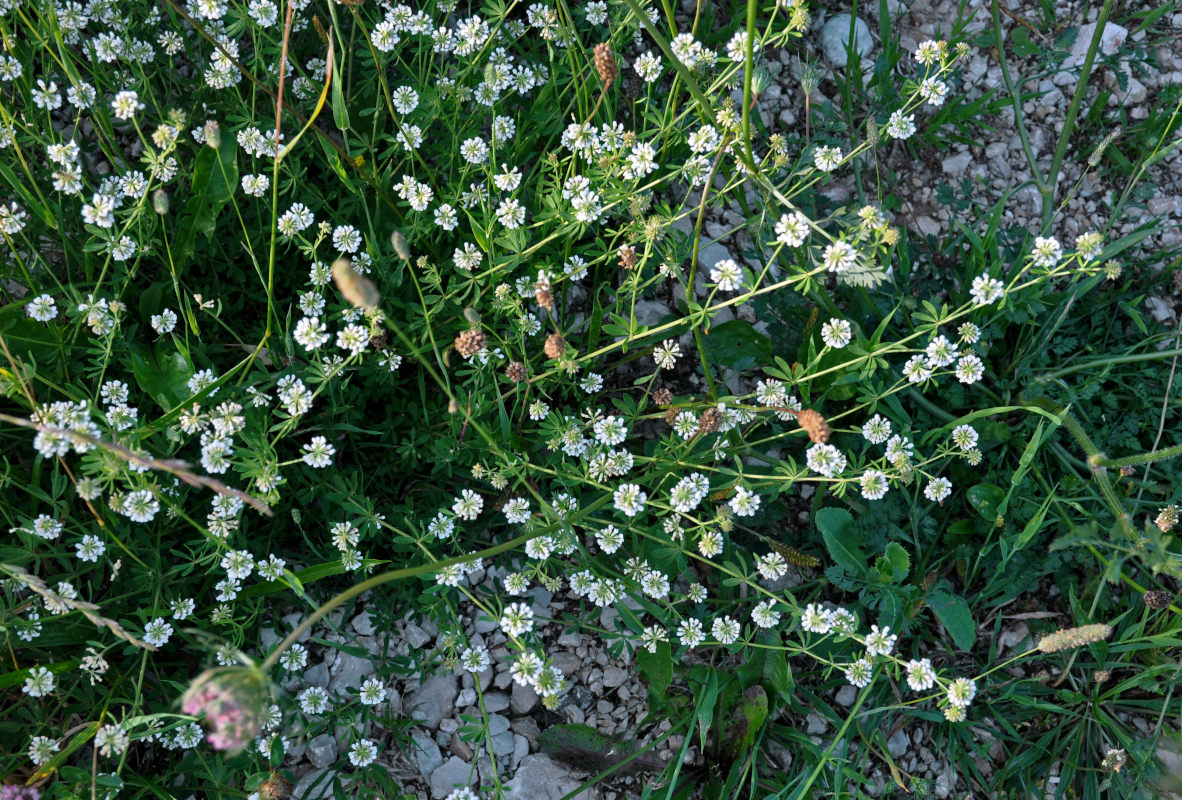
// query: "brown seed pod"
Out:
[380,340]
[628,257]
[671,416]
[605,64]
[1157,598]
[516,372]
[814,424]
[1074,637]
[470,342]
[555,346]
[545,299]
[662,396]
[710,421]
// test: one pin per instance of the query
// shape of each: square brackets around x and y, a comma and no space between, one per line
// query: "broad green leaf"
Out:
[953,613]
[986,498]
[656,668]
[164,374]
[215,176]
[837,529]
[737,345]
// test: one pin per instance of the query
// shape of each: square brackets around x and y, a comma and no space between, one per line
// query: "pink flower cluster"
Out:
[232,701]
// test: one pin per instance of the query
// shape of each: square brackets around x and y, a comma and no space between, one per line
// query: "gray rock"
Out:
[415,636]
[484,624]
[315,784]
[435,697]
[348,672]
[454,771]
[461,748]
[898,744]
[1111,40]
[467,698]
[1134,94]
[573,638]
[945,782]
[958,164]
[520,749]
[427,754]
[522,699]
[835,37]
[816,724]
[496,701]
[317,675]
[566,661]
[649,314]
[846,695]
[540,777]
[322,751]
[363,624]
[614,676]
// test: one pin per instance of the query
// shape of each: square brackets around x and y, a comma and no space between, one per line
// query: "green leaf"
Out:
[776,672]
[953,613]
[704,711]
[737,345]
[163,374]
[748,719]
[215,176]
[985,498]
[894,564]
[656,668]
[837,529]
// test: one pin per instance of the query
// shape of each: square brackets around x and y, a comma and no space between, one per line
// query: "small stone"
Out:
[927,226]
[958,164]
[317,675]
[816,724]
[495,701]
[1111,40]
[427,754]
[416,636]
[348,672]
[527,727]
[520,750]
[454,771]
[322,751]
[835,39]
[523,699]
[613,677]
[461,748]
[571,638]
[846,695]
[315,784]
[604,707]
[898,744]
[428,703]
[467,698]
[363,624]
[540,777]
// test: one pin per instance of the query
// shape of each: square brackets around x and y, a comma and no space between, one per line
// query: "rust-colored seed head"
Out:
[1157,598]
[671,415]
[555,346]
[662,396]
[711,419]
[516,372]
[627,257]
[545,299]
[605,64]
[275,788]
[380,340]
[814,424]
[470,342]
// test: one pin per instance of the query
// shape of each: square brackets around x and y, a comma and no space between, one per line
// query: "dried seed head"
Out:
[516,372]
[814,424]
[470,342]
[213,134]
[671,416]
[710,421]
[398,242]
[160,202]
[275,788]
[1114,760]
[1074,637]
[545,299]
[1101,675]
[555,346]
[627,257]
[379,340]
[662,396]
[1167,519]
[605,64]
[1127,470]
[357,289]
[1157,598]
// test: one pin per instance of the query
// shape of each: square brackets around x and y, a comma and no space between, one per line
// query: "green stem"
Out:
[1141,458]
[1132,358]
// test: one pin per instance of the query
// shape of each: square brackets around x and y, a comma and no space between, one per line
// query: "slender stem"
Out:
[1141,458]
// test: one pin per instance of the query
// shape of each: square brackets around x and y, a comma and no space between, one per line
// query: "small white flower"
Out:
[836,333]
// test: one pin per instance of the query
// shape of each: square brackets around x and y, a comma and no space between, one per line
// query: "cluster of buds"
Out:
[470,342]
